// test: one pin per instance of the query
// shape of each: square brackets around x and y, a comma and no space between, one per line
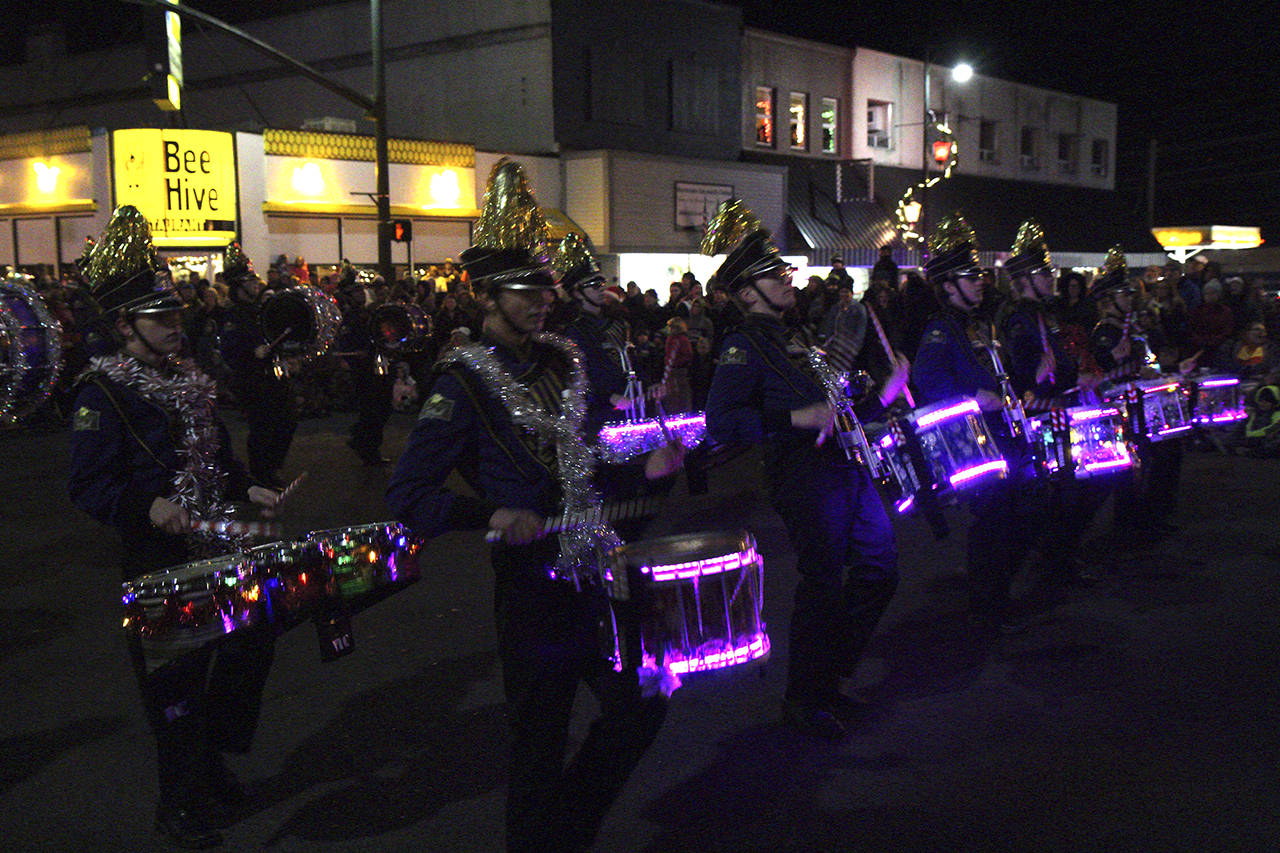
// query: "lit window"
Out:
[798,115]
[830,123]
[764,116]
[879,124]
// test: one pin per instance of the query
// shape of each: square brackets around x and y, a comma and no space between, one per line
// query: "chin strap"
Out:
[767,301]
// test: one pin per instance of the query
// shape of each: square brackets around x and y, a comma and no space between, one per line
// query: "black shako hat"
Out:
[1030,252]
[575,264]
[752,254]
[1113,276]
[510,250]
[953,251]
[123,272]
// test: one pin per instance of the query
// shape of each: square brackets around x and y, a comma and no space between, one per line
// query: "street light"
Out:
[961,73]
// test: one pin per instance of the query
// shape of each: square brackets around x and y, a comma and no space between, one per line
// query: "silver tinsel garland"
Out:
[199,485]
[579,545]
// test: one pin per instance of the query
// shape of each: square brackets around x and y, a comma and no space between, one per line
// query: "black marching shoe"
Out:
[186,828]
[369,456]
[812,720]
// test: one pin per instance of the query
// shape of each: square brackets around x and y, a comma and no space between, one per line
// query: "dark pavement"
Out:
[1136,714]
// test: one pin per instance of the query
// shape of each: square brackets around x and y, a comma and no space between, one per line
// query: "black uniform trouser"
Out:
[202,704]
[1008,518]
[269,410]
[1073,506]
[848,565]
[1151,494]
[373,405]
[549,640]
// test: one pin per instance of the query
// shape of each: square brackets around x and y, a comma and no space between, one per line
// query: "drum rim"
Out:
[316,535]
[185,572]
[743,541]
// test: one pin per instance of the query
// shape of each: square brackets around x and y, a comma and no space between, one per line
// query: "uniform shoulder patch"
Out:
[437,408]
[86,419]
[733,355]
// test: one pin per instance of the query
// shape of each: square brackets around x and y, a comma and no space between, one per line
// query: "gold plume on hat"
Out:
[732,221]
[509,214]
[125,247]
[1115,263]
[571,254]
[950,234]
[1030,240]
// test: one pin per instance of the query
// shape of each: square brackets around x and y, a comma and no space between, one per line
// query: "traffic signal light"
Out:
[941,152]
[402,231]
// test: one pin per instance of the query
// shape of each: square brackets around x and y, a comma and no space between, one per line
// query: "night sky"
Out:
[1200,78]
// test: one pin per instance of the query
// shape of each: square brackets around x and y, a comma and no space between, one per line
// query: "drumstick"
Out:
[888,350]
[288,490]
[283,335]
[1044,342]
[225,527]
[662,422]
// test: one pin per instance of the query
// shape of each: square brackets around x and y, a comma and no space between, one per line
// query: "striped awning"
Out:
[855,230]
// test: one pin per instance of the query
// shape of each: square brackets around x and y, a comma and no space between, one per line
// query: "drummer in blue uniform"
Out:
[765,390]
[593,332]
[149,454]
[954,360]
[506,414]
[1148,497]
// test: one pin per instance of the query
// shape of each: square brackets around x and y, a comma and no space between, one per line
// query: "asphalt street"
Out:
[1139,713]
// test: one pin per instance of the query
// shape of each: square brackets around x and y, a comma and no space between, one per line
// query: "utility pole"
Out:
[375,107]
[1151,183]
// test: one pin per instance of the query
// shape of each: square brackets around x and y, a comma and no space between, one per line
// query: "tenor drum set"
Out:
[30,349]
[325,576]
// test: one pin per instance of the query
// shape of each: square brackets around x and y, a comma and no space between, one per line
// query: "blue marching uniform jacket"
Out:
[604,373]
[947,363]
[1024,347]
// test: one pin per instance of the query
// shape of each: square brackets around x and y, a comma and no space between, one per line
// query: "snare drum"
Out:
[957,448]
[368,561]
[1217,400]
[626,440]
[1082,441]
[697,599]
[30,350]
[304,321]
[296,577]
[1156,409]
[188,607]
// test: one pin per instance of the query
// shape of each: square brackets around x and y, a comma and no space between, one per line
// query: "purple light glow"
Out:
[698,568]
[1234,415]
[622,441]
[978,470]
[887,440]
[1219,383]
[967,407]
[1172,430]
[1123,461]
[756,648]
[1093,415]
[905,505]
[1160,388]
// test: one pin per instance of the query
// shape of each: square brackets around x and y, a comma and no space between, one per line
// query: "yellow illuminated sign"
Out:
[1241,235]
[1209,236]
[183,182]
[1173,237]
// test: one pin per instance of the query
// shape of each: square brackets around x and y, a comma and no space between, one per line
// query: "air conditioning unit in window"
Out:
[1030,162]
[877,139]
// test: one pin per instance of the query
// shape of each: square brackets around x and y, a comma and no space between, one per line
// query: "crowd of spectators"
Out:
[1229,324]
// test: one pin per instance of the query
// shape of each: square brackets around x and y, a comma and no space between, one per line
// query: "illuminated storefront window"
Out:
[798,115]
[764,116]
[830,124]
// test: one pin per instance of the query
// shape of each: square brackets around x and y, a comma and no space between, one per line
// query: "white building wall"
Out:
[586,195]
[1010,106]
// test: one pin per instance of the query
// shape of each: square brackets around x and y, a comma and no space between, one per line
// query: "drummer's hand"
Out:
[897,379]
[261,351]
[989,402]
[1045,369]
[517,526]
[620,402]
[265,498]
[819,416]
[169,517]
[664,461]
[1189,364]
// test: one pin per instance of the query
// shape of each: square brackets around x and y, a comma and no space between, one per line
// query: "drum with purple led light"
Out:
[1217,400]
[696,599]
[1081,442]
[1155,409]
[957,448]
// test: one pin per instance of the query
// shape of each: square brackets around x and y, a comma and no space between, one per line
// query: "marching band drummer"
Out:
[948,365]
[149,454]
[507,415]
[764,390]
[1145,499]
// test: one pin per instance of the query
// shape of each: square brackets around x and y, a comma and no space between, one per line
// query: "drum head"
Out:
[287,316]
[200,576]
[685,548]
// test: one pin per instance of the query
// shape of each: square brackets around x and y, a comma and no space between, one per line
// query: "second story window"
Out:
[764,116]
[1029,149]
[1068,145]
[798,115]
[830,124]
[1098,158]
[879,124]
[986,141]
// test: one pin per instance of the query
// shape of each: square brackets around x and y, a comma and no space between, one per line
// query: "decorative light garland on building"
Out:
[905,225]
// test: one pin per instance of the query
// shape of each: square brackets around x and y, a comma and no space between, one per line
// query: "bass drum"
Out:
[401,328]
[30,349]
[300,321]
